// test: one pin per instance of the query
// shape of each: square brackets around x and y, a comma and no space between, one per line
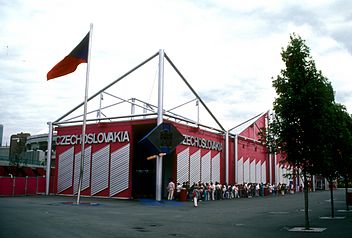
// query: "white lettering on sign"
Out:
[202,143]
[94,138]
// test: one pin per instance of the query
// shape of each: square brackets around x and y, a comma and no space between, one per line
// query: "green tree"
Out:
[342,150]
[304,98]
[337,140]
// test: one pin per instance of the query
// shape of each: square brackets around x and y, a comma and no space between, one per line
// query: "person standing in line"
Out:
[170,189]
[212,191]
[178,191]
[257,190]
[207,192]
[218,191]
[236,191]
[195,196]
[224,191]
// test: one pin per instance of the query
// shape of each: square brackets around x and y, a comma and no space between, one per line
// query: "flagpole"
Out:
[159,159]
[48,158]
[84,116]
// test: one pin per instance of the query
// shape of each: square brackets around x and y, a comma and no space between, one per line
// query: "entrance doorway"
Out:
[143,170]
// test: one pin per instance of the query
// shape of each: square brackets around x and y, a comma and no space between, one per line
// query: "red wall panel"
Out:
[20,186]
[96,130]
[202,134]
[6,186]
[31,186]
[42,184]
[231,161]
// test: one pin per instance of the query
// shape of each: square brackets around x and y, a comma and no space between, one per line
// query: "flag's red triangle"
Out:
[69,64]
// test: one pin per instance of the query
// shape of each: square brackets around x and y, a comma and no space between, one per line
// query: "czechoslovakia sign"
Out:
[94,138]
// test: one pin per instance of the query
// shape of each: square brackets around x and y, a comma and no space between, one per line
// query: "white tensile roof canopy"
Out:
[118,101]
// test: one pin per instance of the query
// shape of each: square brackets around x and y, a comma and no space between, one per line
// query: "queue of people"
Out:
[215,191]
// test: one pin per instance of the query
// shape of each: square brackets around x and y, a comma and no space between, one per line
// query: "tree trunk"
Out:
[331,197]
[306,217]
[346,192]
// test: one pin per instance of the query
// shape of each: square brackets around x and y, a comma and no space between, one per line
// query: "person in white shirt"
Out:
[178,190]
[195,196]
[170,190]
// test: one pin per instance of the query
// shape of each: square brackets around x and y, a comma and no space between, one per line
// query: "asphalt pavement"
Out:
[59,216]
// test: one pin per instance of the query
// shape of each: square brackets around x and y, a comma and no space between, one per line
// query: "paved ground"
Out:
[55,216]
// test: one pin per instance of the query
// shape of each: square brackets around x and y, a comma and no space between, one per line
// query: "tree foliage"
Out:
[304,98]
[339,164]
[342,139]
[338,141]
[304,101]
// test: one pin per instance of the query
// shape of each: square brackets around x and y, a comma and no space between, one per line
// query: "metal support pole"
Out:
[275,170]
[100,102]
[133,107]
[298,180]
[159,162]
[36,186]
[270,169]
[48,158]
[26,186]
[145,109]
[267,122]
[84,117]
[236,158]
[13,185]
[197,104]
[227,144]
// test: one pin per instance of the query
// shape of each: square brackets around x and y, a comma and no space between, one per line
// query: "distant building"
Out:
[27,150]
[1,133]
[18,148]
[4,155]
[39,142]
[37,149]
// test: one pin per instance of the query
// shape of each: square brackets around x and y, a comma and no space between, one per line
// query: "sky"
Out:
[228,51]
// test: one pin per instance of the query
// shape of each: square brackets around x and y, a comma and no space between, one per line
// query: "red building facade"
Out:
[116,164]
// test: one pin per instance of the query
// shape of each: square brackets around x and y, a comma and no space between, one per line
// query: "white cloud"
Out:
[227,50]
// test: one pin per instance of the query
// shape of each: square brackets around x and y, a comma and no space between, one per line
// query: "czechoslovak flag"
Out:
[69,64]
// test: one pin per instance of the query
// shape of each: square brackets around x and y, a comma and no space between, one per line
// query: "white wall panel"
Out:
[277,170]
[65,170]
[183,166]
[206,168]
[246,171]
[284,173]
[258,172]
[252,172]
[194,162]
[86,170]
[264,172]
[119,170]
[215,168]
[279,174]
[240,171]
[100,170]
